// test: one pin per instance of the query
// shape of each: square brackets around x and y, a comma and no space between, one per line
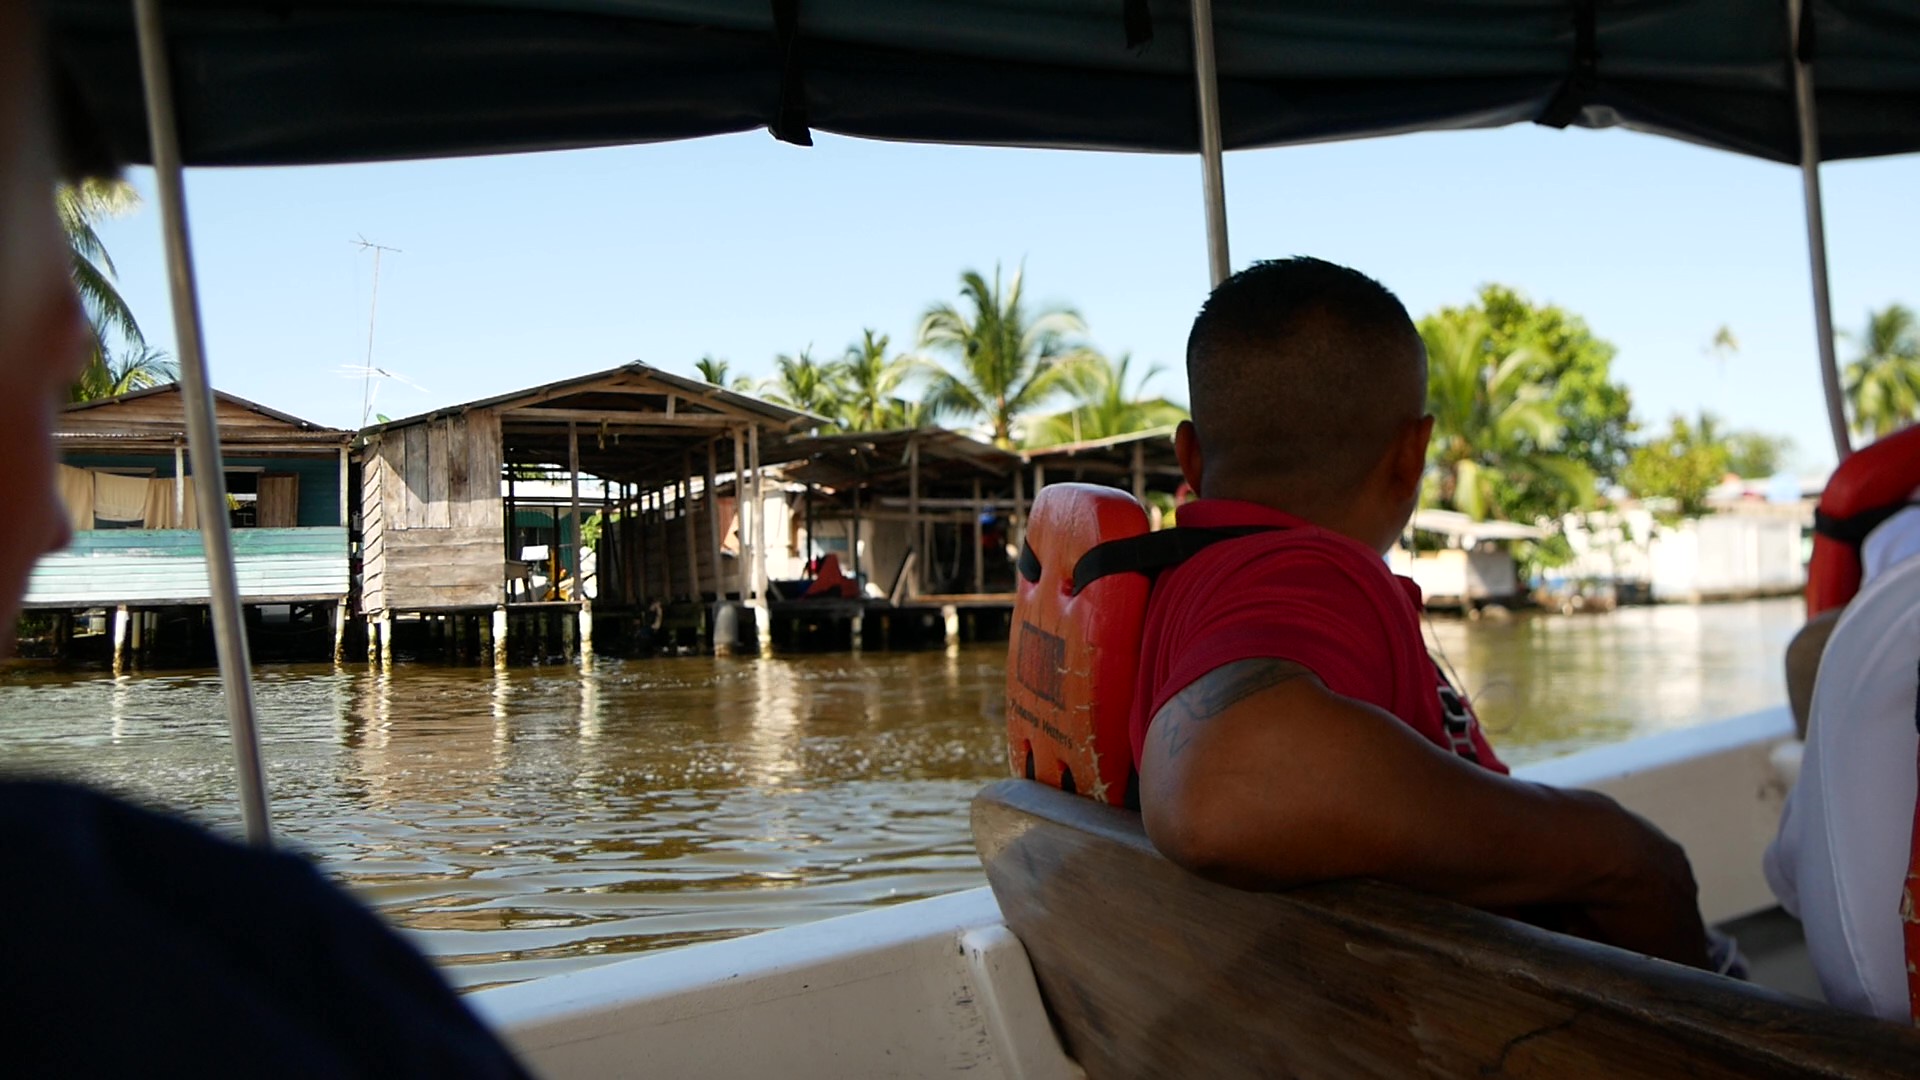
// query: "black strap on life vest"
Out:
[1852,530]
[1150,553]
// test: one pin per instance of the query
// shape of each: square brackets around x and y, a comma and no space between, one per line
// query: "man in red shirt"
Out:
[1290,725]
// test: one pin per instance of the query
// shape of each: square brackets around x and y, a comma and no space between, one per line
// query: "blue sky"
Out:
[522,269]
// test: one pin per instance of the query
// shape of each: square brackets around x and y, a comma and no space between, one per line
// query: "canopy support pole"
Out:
[1212,174]
[1806,112]
[203,436]
[202,433]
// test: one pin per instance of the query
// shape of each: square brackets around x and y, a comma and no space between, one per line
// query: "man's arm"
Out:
[1259,776]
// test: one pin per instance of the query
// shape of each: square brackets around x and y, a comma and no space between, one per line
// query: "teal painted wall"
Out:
[319,478]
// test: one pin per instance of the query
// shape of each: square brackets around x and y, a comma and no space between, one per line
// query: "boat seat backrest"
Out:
[1148,970]
[1072,659]
[1841,858]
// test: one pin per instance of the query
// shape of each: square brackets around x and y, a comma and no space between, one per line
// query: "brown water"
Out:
[544,820]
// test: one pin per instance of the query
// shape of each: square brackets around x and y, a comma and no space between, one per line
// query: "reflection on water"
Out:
[533,822]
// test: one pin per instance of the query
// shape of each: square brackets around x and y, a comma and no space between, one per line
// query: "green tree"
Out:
[1680,467]
[1497,438]
[799,382]
[1753,454]
[871,383]
[1107,403]
[716,372]
[80,206]
[1007,361]
[1883,381]
[1575,367]
[124,373]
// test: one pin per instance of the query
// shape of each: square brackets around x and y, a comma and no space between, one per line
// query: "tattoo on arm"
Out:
[1215,693]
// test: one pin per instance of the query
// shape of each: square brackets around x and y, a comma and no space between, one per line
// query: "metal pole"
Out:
[1807,113]
[1212,177]
[203,437]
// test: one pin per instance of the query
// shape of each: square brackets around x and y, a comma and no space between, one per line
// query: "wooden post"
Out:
[742,571]
[853,545]
[686,517]
[763,620]
[566,637]
[573,477]
[513,547]
[373,639]
[914,527]
[979,542]
[1140,471]
[500,637]
[586,633]
[386,637]
[138,632]
[950,619]
[1020,506]
[179,486]
[713,519]
[119,639]
[666,557]
[339,629]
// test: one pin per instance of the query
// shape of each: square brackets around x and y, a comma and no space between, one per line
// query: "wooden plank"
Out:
[1149,971]
[460,474]
[619,418]
[483,444]
[437,514]
[416,467]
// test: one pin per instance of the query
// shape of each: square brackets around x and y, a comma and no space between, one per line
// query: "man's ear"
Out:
[1186,447]
[1410,457]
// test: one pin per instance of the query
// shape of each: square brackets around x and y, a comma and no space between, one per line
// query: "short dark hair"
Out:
[1302,372]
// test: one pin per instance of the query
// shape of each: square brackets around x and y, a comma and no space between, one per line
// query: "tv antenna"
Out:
[366,388]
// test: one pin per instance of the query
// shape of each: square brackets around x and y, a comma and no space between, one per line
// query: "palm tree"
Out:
[1883,382]
[715,371]
[871,385]
[133,369]
[80,206]
[1007,362]
[801,383]
[1108,404]
[1494,433]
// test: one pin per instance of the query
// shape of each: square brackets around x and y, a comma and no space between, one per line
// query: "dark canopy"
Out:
[307,81]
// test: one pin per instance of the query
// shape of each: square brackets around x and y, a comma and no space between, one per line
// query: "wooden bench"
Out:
[1149,971]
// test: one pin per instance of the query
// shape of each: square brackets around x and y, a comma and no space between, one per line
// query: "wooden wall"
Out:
[155,566]
[432,530]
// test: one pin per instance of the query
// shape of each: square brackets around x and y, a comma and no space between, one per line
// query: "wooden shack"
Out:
[136,549]
[445,529]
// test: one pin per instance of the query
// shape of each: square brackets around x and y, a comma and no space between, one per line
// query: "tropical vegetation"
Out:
[1883,380]
[132,365]
[1109,403]
[1006,358]
[1679,468]
[1501,448]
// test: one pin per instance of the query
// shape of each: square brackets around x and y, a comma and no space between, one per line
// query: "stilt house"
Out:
[128,491]
[444,530]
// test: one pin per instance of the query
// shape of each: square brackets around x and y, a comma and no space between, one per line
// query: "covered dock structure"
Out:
[923,518]
[633,454]
[137,558]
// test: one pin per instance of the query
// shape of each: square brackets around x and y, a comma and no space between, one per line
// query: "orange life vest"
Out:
[1085,572]
[1073,655]
[1867,488]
